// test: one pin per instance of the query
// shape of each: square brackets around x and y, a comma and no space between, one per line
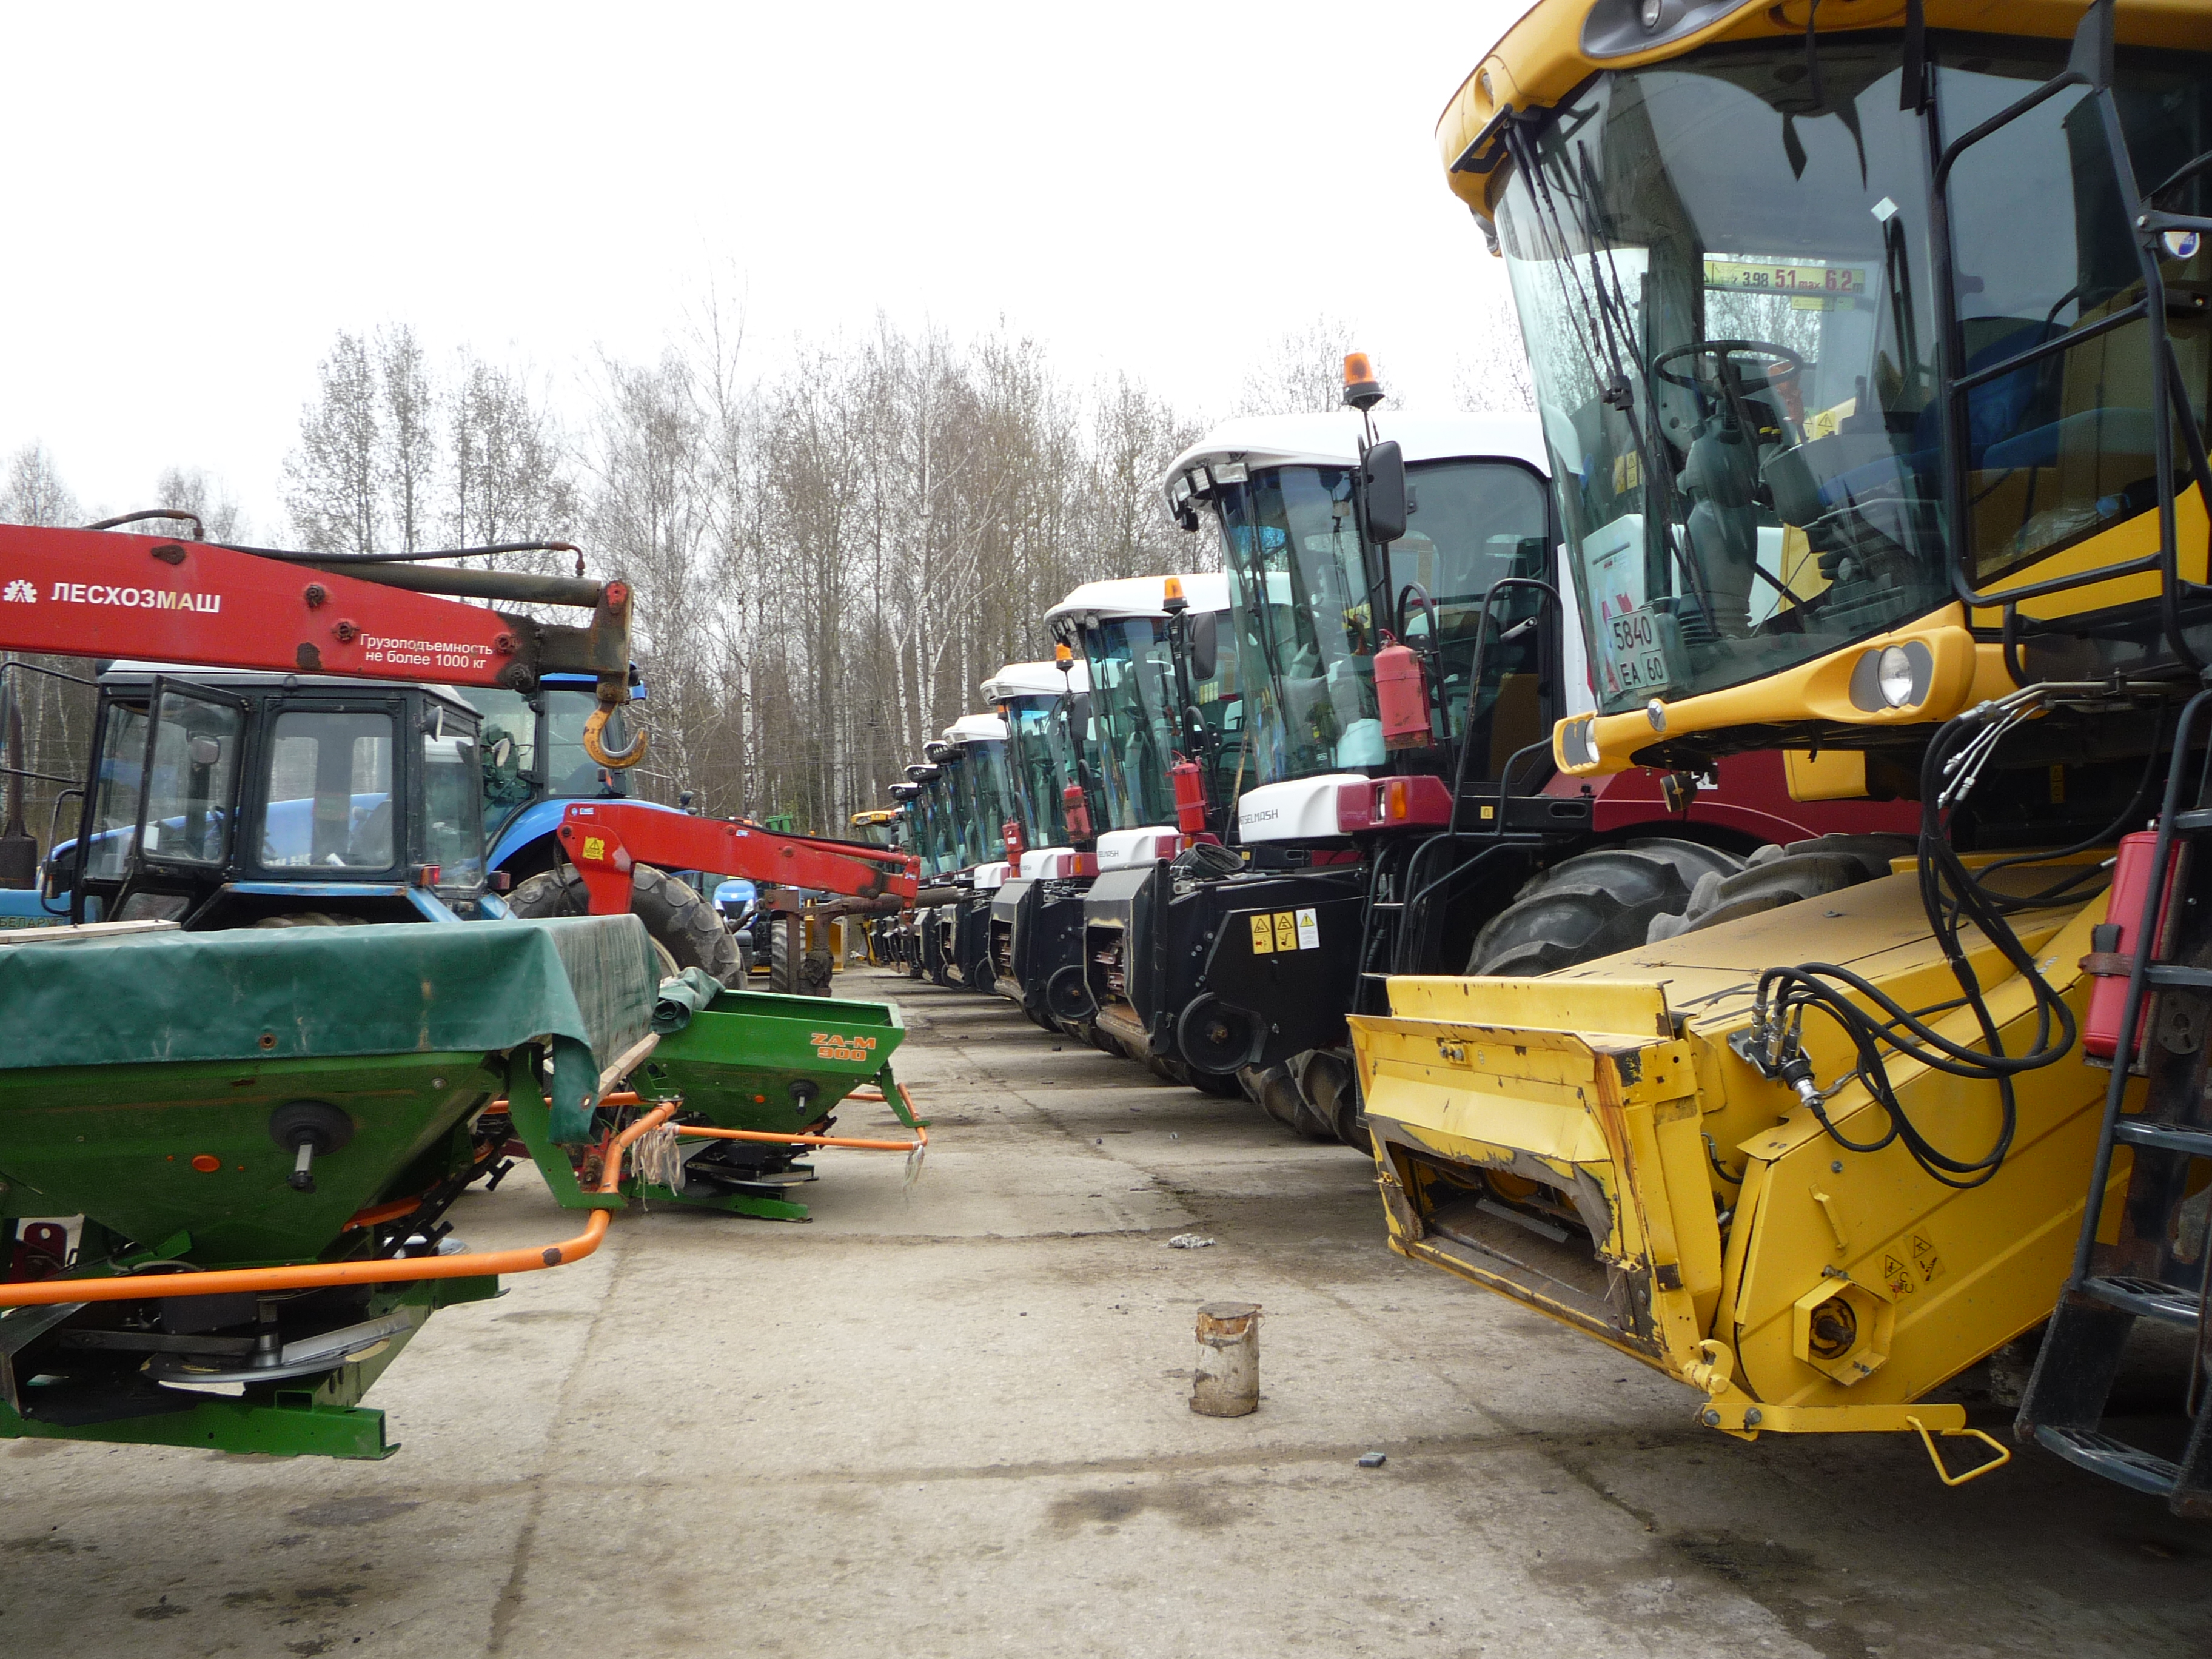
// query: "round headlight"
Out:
[1893,676]
[1652,13]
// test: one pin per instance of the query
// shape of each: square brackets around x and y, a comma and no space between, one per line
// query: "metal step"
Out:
[2192,823]
[2147,1297]
[2164,1137]
[2175,977]
[2115,1460]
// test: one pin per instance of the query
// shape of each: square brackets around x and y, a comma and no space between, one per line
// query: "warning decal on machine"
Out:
[1286,930]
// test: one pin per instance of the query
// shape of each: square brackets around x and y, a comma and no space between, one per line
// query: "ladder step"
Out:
[2148,1296]
[2164,1137]
[2167,973]
[2195,822]
[2115,1460]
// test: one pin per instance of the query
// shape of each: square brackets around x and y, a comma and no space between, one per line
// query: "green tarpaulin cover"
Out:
[585,983]
[683,997]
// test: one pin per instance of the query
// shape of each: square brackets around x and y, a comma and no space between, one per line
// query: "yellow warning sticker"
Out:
[595,849]
[1263,936]
[1924,1257]
[1309,931]
[1286,930]
[1894,1275]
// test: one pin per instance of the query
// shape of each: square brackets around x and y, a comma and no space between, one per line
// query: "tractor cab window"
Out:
[1476,523]
[569,772]
[1303,621]
[984,760]
[452,801]
[192,780]
[116,789]
[507,743]
[943,824]
[2061,447]
[1133,705]
[1725,282]
[1036,741]
[1221,704]
[329,792]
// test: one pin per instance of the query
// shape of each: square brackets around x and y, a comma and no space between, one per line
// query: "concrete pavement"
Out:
[953,1421]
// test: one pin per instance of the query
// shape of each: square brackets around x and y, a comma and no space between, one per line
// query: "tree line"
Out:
[830,552]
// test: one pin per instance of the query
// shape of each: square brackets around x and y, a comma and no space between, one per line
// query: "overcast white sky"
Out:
[201,196]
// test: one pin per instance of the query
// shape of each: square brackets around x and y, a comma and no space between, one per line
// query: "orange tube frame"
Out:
[145,1287]
[920,1136]
[699,1132]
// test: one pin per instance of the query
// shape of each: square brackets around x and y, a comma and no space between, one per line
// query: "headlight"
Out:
[1893,676]
[1575,748]
[1229,473]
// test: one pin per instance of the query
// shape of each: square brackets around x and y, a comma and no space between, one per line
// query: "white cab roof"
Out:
[970,727]
[1035,679]
[1333,440]
[1140,596]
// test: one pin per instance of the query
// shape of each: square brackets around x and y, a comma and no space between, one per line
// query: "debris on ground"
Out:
[1373,1460]
[1189,1241]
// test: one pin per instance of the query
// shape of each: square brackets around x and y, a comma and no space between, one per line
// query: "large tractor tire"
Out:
[684,926]
[1775,876]
[806,974]
[1594,904]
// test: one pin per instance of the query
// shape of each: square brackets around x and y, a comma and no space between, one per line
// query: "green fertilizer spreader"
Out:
[224,1158]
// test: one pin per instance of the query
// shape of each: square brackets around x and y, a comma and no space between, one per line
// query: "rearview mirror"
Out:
[1205,644]
[1382,492]
[1079,711]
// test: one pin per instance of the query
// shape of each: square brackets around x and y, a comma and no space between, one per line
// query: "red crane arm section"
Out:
[605,839]
[101,593]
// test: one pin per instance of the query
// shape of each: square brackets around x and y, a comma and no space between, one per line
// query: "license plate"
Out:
[1633,653]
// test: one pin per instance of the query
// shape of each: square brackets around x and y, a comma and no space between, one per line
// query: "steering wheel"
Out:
[1776,356]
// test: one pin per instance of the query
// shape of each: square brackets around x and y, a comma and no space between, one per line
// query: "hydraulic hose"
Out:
[321,1275]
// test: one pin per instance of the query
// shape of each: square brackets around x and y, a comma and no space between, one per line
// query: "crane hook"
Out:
[618,759]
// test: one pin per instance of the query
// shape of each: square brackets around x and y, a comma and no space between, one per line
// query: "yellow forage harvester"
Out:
[1871,345]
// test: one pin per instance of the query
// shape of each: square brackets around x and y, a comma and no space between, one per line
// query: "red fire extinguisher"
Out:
[1010,832]
[1189,796]
[1401,696]
[2113,946]
[1078,810]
